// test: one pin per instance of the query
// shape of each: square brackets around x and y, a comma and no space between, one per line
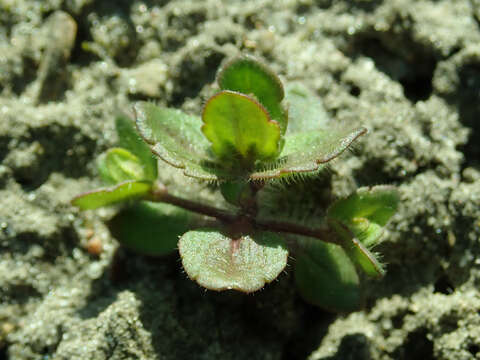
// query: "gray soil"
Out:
[409,70]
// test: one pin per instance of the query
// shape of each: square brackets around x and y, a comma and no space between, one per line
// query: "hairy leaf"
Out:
[127,190]
[130,139]
[251,77]
[239,128]
[366,212]
[357,251]
[176,138]
[307,151]
[359,220]
[118,165]
[151,228]
[326,277]
[305,110]
[218,262]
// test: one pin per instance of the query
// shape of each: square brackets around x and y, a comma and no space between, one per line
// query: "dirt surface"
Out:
[408,70]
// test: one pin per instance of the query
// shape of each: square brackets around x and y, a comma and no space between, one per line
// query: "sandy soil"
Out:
[408,70]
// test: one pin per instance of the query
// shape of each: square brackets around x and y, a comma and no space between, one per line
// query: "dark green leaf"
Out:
[218,262]
[151,228]
[305,110]
[237,192]
[118,165]
[249,76]
[307,151]
[238,126]
[131,140]
[128,190]
[176,138]
[326,277]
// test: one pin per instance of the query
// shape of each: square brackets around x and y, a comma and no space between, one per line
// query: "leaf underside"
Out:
[307,151]
[124,191]
[239,128]
[130,139]
[176,138]
[305,110]
[151,228]
[326,277]
[218,262]
[249,76]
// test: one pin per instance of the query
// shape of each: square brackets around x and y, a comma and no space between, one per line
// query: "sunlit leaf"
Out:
[307,151]
[118,165]
[128,190]
[366,211]
[176,138]
[151,228]
[305,110]
[326,277]
[357,251]
[248,76]
[239,128]
[219,262]
[130,139]
[359,220]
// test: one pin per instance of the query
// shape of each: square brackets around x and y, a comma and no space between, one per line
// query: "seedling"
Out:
[244,141]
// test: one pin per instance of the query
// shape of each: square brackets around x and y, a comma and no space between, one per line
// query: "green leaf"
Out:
[118,165]
[366,211]
[305,110]
[357,251]
[131,140]
[237,125]
[251,77]
[307,151]
[128,190]
[359,220]
[326,277]
[151,228]
[238,193]
[176,138]
[218,262]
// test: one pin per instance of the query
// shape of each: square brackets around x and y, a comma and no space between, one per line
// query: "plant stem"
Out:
[160,194]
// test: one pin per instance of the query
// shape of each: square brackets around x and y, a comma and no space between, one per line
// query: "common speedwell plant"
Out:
[244,140]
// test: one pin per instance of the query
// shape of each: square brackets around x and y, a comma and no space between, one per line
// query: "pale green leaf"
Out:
[366,211]
[307,151]
[128,190]
[130,139]
[176,138]
[359,220]
[118,165]
[305,110]
[218,262]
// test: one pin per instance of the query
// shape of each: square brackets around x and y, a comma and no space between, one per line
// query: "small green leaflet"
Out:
[248,76]
[127,190]
[239,128]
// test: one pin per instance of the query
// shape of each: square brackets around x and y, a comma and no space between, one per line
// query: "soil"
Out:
[408,70]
